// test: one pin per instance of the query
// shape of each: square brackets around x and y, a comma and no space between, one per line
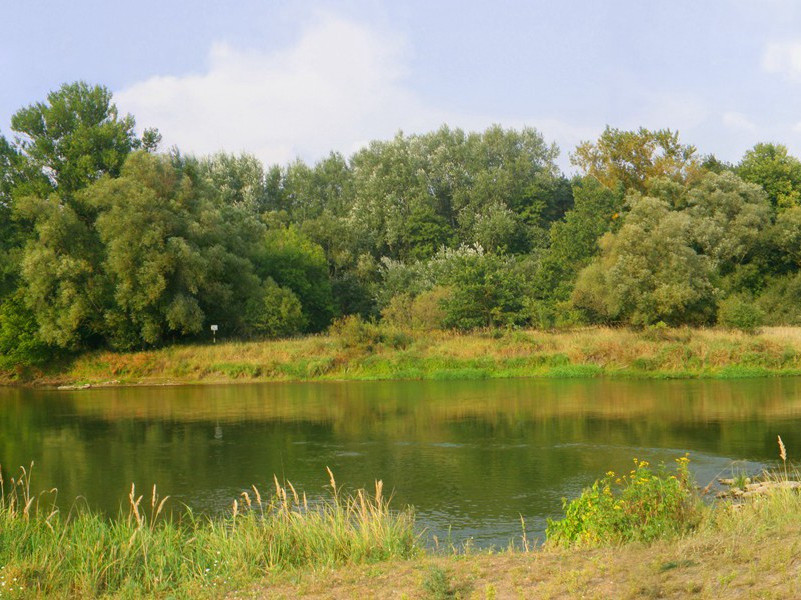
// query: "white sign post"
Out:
[214,329]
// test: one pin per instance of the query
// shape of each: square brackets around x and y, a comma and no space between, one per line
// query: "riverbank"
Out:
[353,546]
[392,354]
[734,563]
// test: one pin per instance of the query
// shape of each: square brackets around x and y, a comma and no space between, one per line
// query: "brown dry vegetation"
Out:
[727,564]
[434,355]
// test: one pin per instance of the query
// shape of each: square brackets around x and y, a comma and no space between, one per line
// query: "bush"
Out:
[779,300]
[644,505]
[423,312]
[736,313]
[356,333]
[277,312]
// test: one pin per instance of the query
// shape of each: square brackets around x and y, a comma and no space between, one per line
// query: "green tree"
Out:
[574,241]
[238,180]
[76,136]
[488,292]
[175,257]
[20,344]
[729,216]
[777,172]
[276,312]
[296,263]
[649,271]
[64,283]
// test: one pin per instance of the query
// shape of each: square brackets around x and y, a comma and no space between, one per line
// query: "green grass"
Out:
[590,352]
[47,554]
[641,538]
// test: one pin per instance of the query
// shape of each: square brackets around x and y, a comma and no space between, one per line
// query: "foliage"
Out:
[355,333]
[76,136]
[20,344]
[648,271]
[774,170]
[423,312]
[105,243]
[728,216]
[295,262]
[739,313]
[238,180]
[643,505]
[277,312]
[632,159]
[779,302]
[574,241]
[487,292]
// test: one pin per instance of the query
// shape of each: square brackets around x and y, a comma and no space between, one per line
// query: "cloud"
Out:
[738,121]
[783,58]
[339,84]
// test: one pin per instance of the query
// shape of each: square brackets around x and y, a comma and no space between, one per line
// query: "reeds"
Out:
[144,553]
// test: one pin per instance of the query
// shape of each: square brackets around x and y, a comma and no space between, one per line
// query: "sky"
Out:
[286,80]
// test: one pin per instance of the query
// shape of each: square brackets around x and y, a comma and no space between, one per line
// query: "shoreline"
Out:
[588,353]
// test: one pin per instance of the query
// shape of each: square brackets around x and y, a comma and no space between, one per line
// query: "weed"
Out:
[643,505]
[437,584]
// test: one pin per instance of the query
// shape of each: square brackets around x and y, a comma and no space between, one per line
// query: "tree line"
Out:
[108,242]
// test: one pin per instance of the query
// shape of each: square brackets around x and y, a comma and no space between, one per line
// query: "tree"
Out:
[174,256]
[238,180]
[296,263]
[574,241]
[729,216]
[76,136]
[633,158]
[64,283]
[20,344]
[488,292]
[276,312]
[777,172]
[648,271]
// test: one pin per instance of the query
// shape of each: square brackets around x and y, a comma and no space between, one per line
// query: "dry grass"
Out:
[750,550]
[679,352]
[698,567]
[81,554]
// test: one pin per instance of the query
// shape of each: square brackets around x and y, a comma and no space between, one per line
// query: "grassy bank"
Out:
[47,554]
[352,546]
[377,353]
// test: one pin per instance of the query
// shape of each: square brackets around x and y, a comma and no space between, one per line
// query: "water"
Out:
[472,457]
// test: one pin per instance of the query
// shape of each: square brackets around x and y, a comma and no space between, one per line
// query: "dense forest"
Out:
[106,241]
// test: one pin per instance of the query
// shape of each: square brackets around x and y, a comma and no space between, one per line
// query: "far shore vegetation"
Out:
[645,533]
[110,245]
[359,350]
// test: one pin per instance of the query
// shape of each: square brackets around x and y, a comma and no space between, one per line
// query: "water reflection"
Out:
[471,455]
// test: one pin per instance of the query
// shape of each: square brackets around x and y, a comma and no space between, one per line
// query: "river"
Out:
[472,457]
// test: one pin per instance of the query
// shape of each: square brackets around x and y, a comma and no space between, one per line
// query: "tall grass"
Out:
[46,553]
[388,353]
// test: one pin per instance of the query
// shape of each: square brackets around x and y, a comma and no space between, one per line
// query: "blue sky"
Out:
[287,79]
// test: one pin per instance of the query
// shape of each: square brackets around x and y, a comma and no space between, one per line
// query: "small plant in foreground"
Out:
[438,585]
[643,505]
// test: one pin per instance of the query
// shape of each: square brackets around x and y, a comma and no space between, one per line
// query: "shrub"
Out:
[737,313]
[423,312]
[643,505]
[277,313]
[356,333]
